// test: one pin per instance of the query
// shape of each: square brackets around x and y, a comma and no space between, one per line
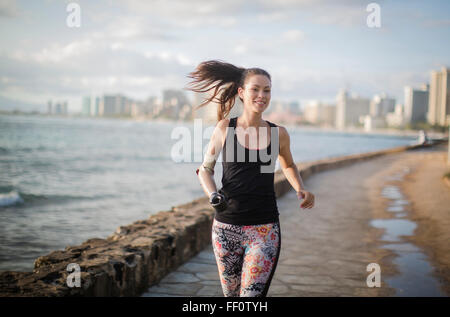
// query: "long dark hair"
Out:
[225,79]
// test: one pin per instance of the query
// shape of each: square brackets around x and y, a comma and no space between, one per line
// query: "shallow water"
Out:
[394,228]
[415,277]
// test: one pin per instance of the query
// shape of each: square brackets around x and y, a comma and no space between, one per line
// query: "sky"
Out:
[311,48]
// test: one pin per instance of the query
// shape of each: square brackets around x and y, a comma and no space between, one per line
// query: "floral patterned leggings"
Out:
[246,257]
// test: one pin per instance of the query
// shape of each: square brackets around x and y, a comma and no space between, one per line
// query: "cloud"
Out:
[293,36]
[83,66]
[273,45]
[327,12]
[186,14]
[436,23]
[200,13]
[141,47]
[8,9]
[271,17]
[129,27]
[57,53]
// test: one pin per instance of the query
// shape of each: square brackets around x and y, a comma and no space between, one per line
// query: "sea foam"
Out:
[11,198]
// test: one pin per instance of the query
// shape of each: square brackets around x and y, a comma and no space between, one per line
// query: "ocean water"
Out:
[66,180]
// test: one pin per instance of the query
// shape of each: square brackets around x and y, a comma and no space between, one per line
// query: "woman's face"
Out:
[256,93]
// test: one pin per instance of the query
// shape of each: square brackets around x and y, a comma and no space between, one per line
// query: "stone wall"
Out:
[139,255]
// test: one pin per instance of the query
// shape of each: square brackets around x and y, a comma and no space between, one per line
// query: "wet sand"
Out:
[428,206]
[430,197]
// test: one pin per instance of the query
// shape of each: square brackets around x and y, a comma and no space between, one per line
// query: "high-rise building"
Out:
[108,105]
[396,118]
[65,109]
[319,113]
[95,108]
[416,104]
[381,104]
[86,106]
[294,107]
[439,98]
[58,108]
[90,106]
[144,108]
[349,109]
[118,104]
[208,112]
[173,101]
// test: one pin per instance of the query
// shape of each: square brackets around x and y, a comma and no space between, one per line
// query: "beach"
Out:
[431,210]
[429,204]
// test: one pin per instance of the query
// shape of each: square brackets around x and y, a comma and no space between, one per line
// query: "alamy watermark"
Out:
[374,278]
[74,278]
[190,148]
[74,17]
[374,18]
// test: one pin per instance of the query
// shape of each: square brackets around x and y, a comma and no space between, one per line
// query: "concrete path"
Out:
[324,251]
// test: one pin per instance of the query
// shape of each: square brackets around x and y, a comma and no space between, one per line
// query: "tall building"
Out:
[381,104]
[90,106]
[349,109]
[439,98]
[396,118]
[64,107]
[86,106]
[208,112]
[110,105]
[319,113]
[173,103]
[416,104]
[95,108]
[294,107]
[58,108]
[144,108]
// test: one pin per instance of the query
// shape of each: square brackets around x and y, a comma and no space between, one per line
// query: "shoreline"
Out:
[306,127]
[430,209]
[424,191]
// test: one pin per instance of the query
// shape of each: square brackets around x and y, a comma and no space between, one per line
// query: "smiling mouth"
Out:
[260,103]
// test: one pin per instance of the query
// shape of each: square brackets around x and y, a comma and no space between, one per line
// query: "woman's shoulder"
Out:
[283,134]
[223,124]
[282,130]
[221,130]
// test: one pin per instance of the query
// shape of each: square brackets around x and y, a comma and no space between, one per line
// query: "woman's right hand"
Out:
[218,201]
[308,197]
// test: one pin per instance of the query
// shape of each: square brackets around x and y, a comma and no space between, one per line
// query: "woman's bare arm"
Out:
[206,171]
[290,169]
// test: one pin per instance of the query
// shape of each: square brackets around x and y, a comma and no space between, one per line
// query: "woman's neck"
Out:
[251,120]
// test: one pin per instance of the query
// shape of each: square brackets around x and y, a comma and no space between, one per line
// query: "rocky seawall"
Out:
[139,255]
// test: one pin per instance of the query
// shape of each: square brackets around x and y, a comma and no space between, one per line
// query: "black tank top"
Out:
[248,183]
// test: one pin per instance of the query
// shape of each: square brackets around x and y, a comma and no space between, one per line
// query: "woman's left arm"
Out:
[290,170]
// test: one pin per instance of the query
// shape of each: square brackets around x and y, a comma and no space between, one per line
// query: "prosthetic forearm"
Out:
[206,180]
[206,175]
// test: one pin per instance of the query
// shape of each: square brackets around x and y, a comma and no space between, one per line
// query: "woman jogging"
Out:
[246,234]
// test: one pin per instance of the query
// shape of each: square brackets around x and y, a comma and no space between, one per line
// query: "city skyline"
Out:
[312,49]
